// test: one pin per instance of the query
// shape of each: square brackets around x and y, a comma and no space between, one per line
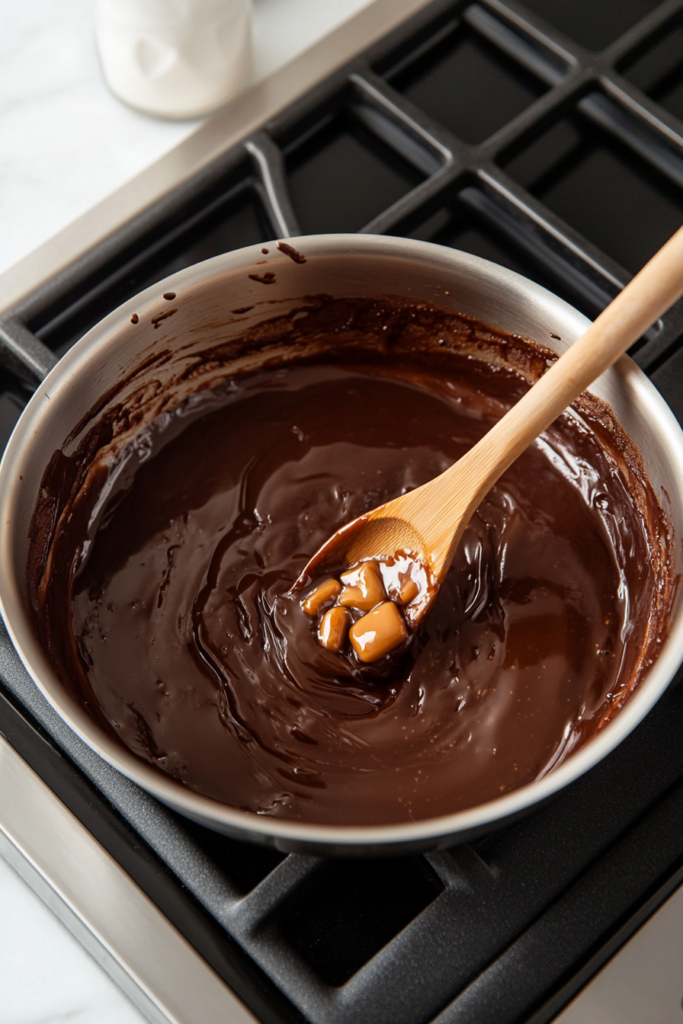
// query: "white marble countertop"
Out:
[46,977]
[65,144]
[65,141]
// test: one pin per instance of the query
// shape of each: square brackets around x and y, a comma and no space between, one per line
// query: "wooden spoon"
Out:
[429,522]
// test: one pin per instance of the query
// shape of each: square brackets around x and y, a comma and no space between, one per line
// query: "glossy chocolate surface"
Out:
[167,607]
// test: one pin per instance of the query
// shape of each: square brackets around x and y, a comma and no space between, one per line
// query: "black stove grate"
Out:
[492,128]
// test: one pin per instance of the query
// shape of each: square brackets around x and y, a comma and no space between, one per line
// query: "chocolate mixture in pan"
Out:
[160,579]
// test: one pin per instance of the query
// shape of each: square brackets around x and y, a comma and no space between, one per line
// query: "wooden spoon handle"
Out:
[642,301]
[444,506]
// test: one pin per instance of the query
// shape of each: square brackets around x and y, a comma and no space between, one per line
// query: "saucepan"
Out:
[210,305]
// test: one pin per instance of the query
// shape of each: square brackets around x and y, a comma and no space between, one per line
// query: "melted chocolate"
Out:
[290,251]
[175,626]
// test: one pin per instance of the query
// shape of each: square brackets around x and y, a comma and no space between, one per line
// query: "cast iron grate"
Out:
[547,138]
[574,169]
[591,25]
[246,864]
[440,81]
[353,163]
[658,71]
[359,900]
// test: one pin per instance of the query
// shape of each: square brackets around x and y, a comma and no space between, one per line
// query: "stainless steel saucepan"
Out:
[206,298]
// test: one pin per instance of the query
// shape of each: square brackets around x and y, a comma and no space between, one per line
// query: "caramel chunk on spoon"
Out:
[322,595]
[378,632]
[333,628]
[363,587]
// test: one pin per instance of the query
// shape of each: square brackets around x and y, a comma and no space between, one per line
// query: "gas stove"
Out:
[547,137]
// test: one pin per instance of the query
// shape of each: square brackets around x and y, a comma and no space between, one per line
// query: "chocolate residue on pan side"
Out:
[628,462]
[165,609]
[156,320]
[135,318]
[290,251]
[267,278]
